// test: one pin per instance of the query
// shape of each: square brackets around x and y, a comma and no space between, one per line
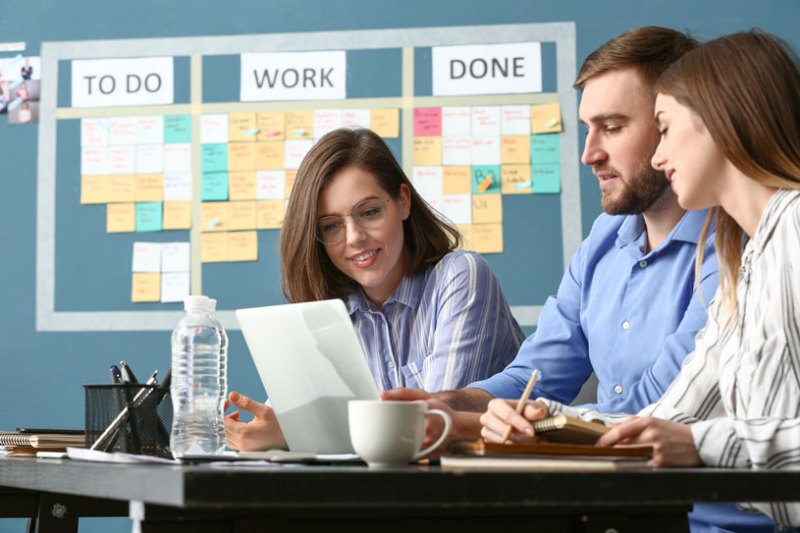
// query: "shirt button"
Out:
[390,364]
[643,263]
[618,389]
[626,325]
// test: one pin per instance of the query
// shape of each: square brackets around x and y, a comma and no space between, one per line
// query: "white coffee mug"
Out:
[390,433]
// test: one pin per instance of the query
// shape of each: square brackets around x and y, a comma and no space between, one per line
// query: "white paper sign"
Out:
[515,120]
[457,208]
[456,150]
[174,286]
[214,129]
[122,82]
[326,120]
[123,131]
[177,186]
[175,257]
[456,121]
[178,157]
[294,152]
[293,76]
[487,69]
[149,158]
[150,130]
[428,181]
[122,160]
[94,131]
[147,257]
[270,185]
[95,161]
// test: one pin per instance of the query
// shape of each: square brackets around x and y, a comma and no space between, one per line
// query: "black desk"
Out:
[206,498]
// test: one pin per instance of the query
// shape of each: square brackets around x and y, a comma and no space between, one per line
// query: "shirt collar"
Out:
[408,293]
[632,230]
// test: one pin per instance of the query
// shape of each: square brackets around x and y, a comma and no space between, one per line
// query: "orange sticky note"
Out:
[120,218]
[289,178]
[242,215]
[269,214]
[270,126]
[242,246]
[149,187]
[427,151]
[95,189]
[455,180]
[122,188]
[546,118]
[487,238]
[213,247]
[487,208]
[242,127]
[466,236]
[242,185]
[385,122]
[299,124]
[241,156]
[177,215]
[146,287]
[515,179]
[269,155]
[515,149]
[213,216]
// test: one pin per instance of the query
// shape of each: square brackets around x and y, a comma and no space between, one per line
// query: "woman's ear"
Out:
[404,200]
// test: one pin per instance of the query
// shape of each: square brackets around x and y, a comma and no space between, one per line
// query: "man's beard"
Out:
[639,192]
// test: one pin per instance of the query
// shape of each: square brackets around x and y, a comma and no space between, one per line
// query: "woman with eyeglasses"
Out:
[427,316]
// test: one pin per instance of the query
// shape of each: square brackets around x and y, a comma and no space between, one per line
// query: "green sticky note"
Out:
[485,179]
[148,216]
[215,186]
[546,178]
[545,148]
[177,129]
[215,157]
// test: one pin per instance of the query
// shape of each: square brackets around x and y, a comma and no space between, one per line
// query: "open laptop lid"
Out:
[311,363]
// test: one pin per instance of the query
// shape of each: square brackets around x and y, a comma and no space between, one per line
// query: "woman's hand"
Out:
[261,433]
[673,444]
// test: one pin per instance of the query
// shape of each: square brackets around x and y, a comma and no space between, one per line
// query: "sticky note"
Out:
[149,130]
[271,126]
[326,120]
[428,181]
[94,132]
[545,149]
[515,120]
[120,218]
[487,209]
[457,208]
[213,216]
[299,124]
[242,185]
[355,118]
[515,149]
[238,126]
[146,287]
[242,246]
[177,215]
[485,179]
[122,188]
[214,157]
[122,160]
[95,161]
[269,214]
[294,152]
[149,158]
[214,129]
[149,187]
[241,156]
[175,256]
[177,129]
[146,257]
[485,150]
[456,121]
[95,189]
[178,157]
[466,236]
[148,216]
[385,122]
[270,185]
[174,286]
[516,179]
[242,215]
[290,176]
[456,180]
[122,131]
[485,121]
[213,247]
[428,122]
[456,150]
[177,186]
[546,178]
[427,151]
[487,238]
[214,186]
[546,118]
[269,155]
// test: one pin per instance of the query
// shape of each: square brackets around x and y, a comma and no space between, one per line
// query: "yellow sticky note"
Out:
[270,126]
[95,189]
[515,179]
[455,180]
[466,236]
[546,118]
[177,215]
[213,216]
[146,287]
[487,238]
[385,122]
[241,156]
[242,127]
[122,188]
[299,124]
[242,185]
[269,155]
[289,178]
[213,247]
[269,214]
[487,208]
[242,246]
[427,151]
[120,218]
[149,187]
[242,215]
[515,149]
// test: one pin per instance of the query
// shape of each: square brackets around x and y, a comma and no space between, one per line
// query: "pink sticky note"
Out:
[428,122]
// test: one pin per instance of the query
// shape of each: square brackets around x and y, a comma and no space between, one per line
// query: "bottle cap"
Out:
[195,303]
[212,304]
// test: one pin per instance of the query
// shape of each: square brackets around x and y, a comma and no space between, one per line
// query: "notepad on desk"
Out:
[563,428]
[19,443]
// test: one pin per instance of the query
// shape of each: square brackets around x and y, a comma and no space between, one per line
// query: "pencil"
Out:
[521,403]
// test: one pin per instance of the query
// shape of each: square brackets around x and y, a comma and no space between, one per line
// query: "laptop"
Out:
[311,363]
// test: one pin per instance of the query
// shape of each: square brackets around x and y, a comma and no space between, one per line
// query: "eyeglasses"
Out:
[369,214]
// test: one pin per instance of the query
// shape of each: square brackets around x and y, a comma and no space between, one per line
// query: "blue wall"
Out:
[42,372]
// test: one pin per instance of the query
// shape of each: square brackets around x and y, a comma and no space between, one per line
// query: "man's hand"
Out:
[261,433]
[673,444]
[403,394]
[502,413]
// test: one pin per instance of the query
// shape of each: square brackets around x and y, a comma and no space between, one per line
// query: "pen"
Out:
[521,403]
[105,438]
[116,375]
[127,374]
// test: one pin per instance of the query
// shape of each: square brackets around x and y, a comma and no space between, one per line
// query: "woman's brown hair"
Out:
[745,87]
[307,274]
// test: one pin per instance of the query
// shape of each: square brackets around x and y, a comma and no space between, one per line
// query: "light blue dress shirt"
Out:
[440,329]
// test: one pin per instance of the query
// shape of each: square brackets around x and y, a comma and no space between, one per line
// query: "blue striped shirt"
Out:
[440,329]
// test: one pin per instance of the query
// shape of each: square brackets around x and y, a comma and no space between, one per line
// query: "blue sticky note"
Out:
[148,216]
[215,157]
[177,129]
[485,179]
[251,132]
[545,148]
[546,178]
[215,186]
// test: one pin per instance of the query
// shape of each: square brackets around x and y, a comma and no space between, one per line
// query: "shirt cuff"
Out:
[717,444]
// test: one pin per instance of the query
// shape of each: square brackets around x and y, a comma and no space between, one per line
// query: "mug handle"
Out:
[447,423]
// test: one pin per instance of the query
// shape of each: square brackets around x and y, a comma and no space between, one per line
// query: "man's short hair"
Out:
[650,50]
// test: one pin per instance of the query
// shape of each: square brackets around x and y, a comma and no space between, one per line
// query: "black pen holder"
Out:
[129,418]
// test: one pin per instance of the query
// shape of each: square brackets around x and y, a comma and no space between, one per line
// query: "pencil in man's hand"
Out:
[521,403]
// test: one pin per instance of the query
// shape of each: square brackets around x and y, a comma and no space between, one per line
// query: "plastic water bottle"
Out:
[199,346]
